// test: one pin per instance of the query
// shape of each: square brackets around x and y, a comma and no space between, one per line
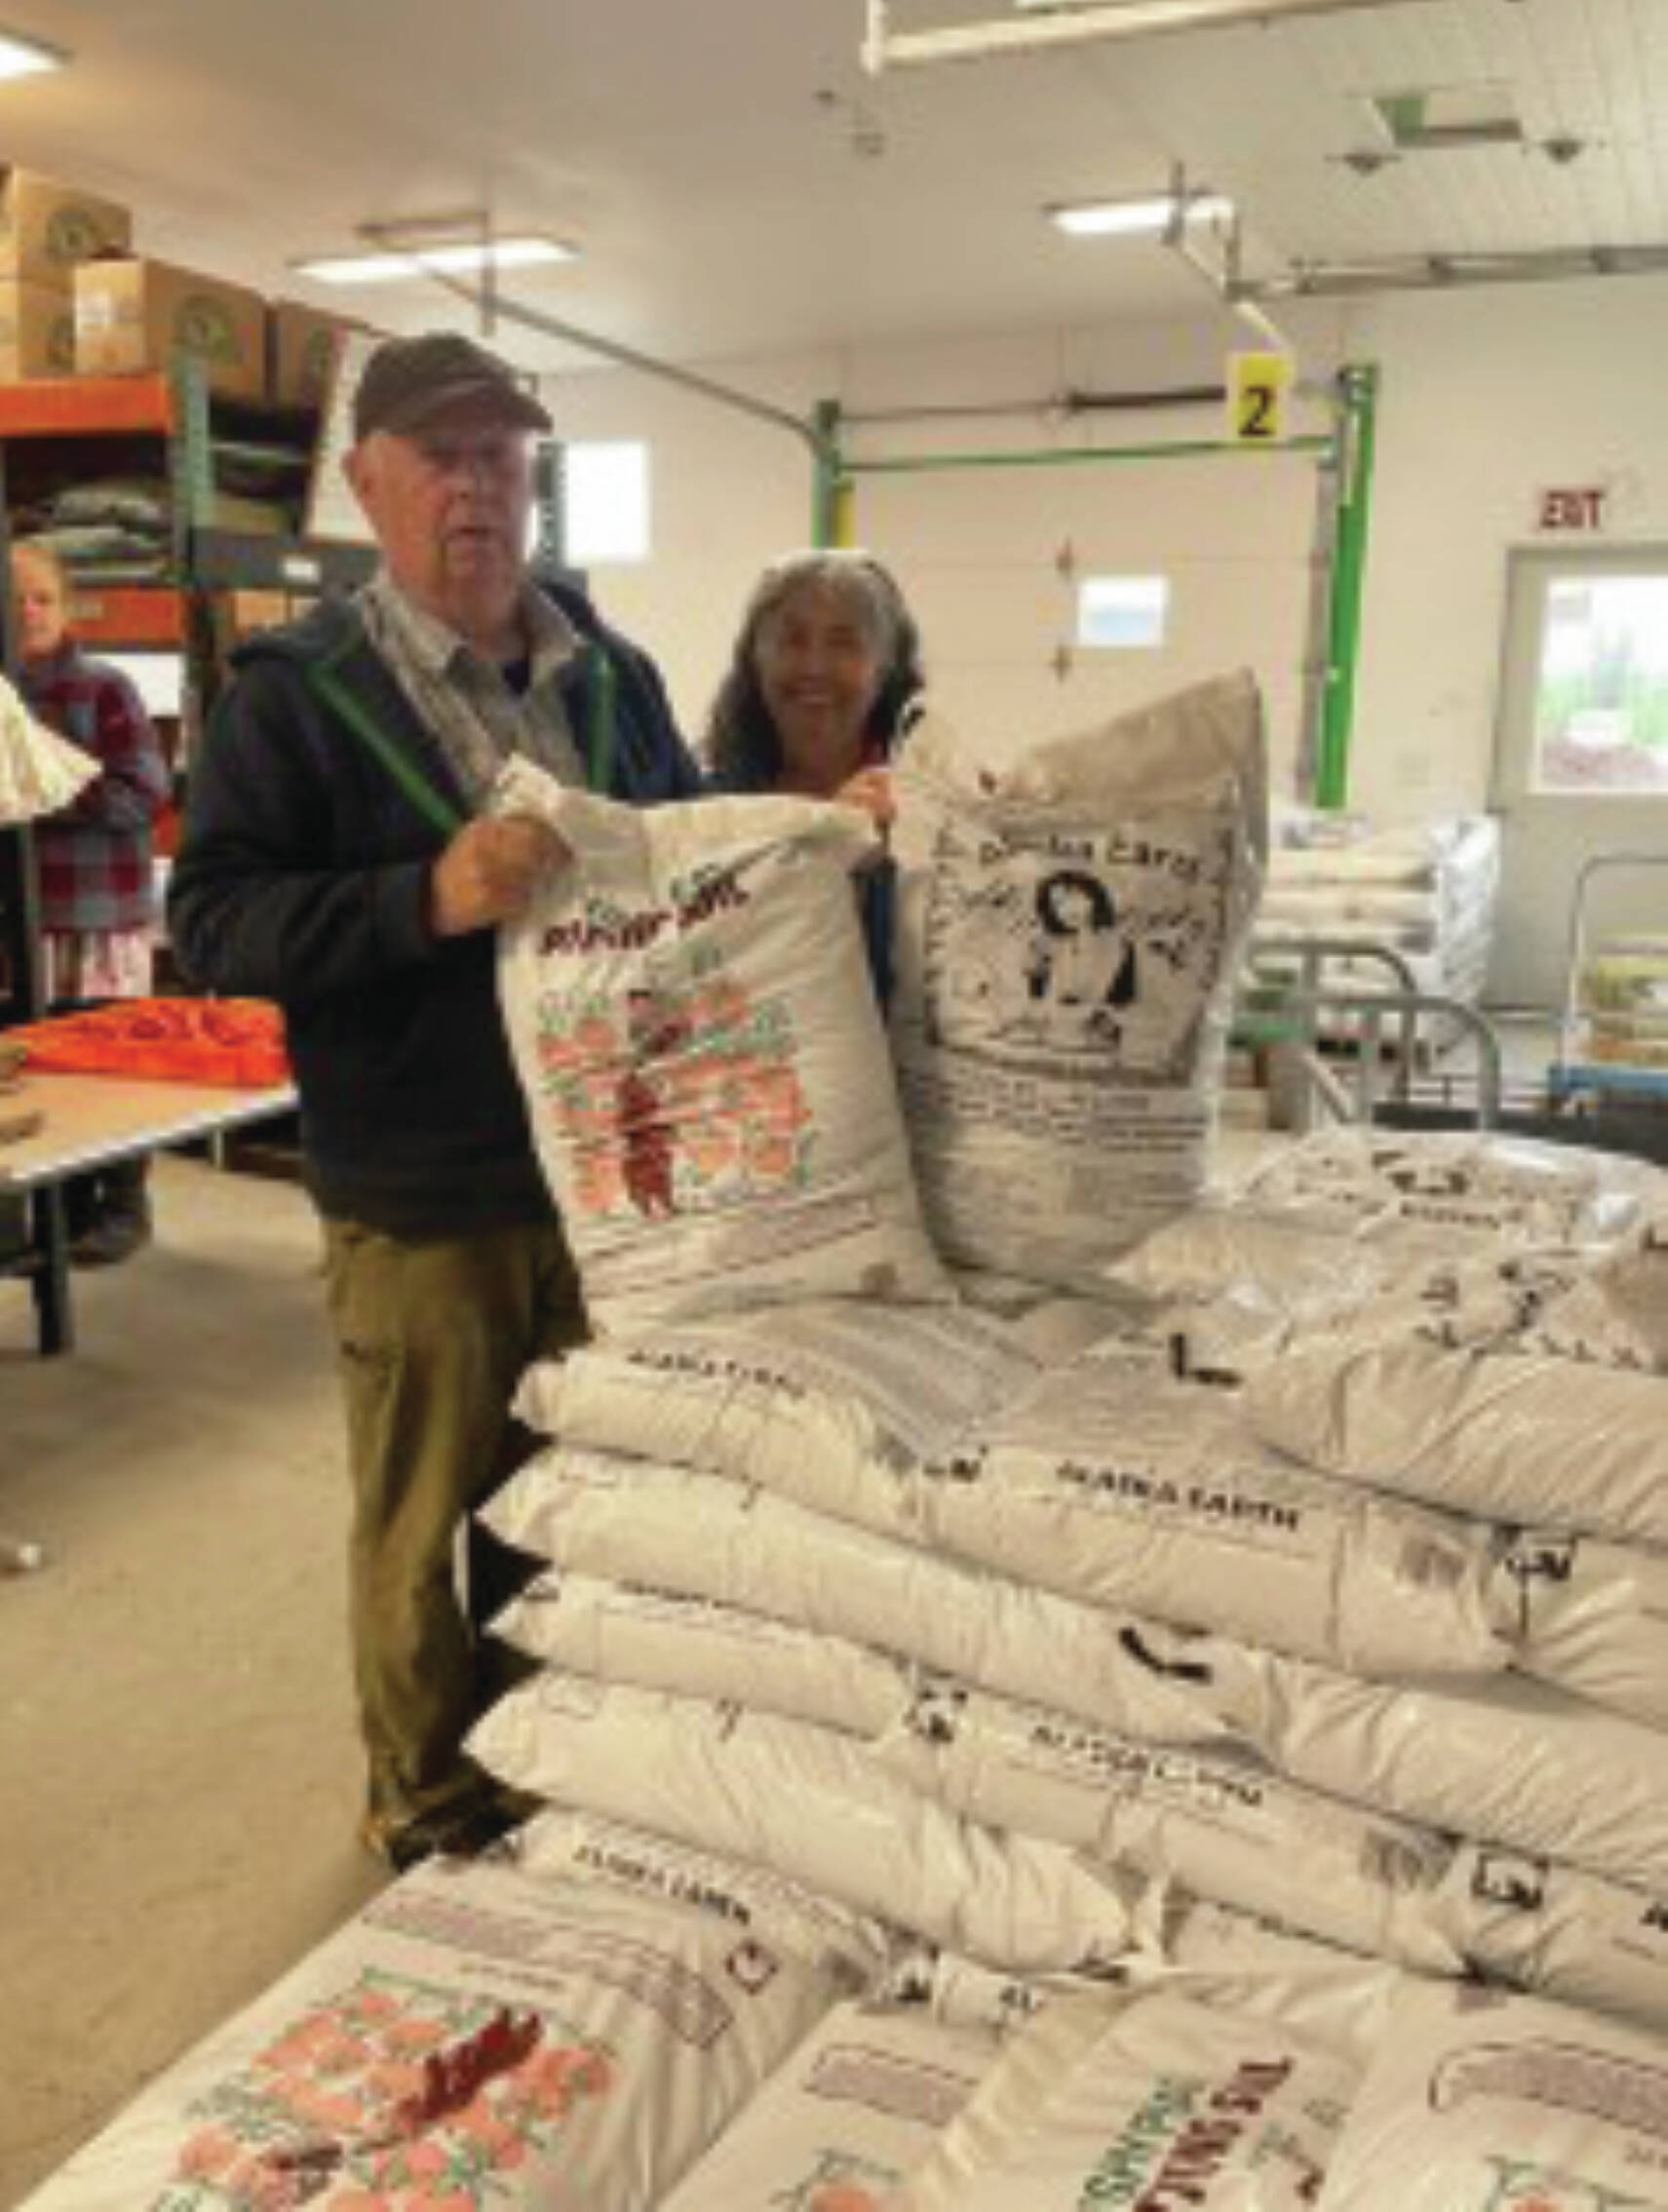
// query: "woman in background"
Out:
[827,659]
[825,665]
[97,899]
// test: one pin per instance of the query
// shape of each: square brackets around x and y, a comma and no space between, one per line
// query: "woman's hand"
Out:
[871,789]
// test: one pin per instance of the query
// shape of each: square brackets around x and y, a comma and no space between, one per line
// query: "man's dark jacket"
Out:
[317,807]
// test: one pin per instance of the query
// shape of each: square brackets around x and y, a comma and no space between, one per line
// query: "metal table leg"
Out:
[49,1269]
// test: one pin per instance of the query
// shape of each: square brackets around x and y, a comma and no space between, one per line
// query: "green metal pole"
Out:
[1056,456]
[1358,388]
[831,485]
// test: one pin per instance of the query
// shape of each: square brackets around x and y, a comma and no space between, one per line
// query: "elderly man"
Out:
[337,858]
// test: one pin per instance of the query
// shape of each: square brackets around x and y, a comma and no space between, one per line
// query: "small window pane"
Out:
[1601,708]
[1121,612]
[605,502]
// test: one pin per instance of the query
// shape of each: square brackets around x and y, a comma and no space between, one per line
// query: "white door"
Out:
[1580,756]
[1000,566]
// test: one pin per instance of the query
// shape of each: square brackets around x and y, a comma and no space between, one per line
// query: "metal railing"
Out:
[1375,1034]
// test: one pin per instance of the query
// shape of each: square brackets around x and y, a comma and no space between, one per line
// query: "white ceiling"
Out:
[737,185]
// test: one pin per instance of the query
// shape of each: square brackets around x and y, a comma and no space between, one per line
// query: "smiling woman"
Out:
[826,661]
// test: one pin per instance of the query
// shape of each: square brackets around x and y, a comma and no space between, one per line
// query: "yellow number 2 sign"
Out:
[1258,385]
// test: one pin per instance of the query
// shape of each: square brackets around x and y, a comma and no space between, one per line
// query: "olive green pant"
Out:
[432,1337]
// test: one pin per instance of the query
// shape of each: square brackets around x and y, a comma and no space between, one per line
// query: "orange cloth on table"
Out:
[235,1042]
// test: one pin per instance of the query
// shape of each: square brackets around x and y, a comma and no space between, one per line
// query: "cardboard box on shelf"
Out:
[250,610]
[37,331]
[238,614]
[136,313]
[301,345]
[46,227]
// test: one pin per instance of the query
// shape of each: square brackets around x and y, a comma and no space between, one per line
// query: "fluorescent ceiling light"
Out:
[1139,16]
[1132,218]
[458,257]
[27,57]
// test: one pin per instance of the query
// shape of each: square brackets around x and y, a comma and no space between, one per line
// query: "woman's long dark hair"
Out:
[742,747]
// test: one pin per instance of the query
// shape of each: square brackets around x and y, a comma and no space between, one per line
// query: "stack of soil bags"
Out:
[1031,1737]
[1425,891]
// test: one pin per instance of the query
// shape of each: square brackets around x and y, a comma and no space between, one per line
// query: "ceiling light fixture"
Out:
[1147,217]
[454,257]
[27,56]
[1036,24]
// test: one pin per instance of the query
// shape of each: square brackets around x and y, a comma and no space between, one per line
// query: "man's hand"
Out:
[489,871]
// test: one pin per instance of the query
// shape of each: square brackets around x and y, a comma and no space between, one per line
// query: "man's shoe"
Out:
[457,1832]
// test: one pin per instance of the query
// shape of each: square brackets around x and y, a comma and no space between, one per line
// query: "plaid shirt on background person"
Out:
[94,857]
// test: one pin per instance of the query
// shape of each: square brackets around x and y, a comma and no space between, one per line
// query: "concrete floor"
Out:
[179,1774]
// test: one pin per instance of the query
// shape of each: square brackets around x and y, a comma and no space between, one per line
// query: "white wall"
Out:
[1489,395]
[979,551]
[726,495]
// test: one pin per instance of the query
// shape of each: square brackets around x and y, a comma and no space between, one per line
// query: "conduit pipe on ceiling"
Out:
[490,304]
[1441,272]
[1409,272]
[1072,25]
[1176,237]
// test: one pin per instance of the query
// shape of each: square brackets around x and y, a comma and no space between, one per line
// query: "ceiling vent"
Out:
[1446,117]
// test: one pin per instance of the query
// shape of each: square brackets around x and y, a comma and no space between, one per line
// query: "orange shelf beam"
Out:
[60,407]
[128,615]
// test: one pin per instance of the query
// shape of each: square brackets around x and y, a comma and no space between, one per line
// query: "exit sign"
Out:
[1572,507]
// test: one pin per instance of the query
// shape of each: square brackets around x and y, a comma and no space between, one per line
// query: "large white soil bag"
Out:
[1066,942]
[690,1010]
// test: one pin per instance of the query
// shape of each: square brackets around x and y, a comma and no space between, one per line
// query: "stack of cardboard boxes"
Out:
[76,300]
[47,230]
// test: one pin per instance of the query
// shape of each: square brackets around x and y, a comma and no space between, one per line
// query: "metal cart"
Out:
[1578,1071]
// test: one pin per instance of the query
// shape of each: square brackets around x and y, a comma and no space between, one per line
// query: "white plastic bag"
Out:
[845,2121]
[1635,1279]
[40,772]
[1222,1828]
[651,1639]
[1432,1192]
[1219,2097]
[630,1520]
[835,1404]
[1107,1485]
[1480,1428]
[593,2046]
[1594,1619]
[1335,1221]
[782,1915]
[1504,2103]
[1513,1763]
[1066,942]
[1560,1932]
[690,1011]
[810,1804]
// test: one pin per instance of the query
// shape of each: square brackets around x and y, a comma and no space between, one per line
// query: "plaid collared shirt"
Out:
[94,857]
[463,698]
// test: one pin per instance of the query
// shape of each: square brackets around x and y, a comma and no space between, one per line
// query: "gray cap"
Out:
[409,381]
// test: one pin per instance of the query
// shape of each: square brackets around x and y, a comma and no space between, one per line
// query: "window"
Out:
[1121,613]
[1581,754]
[604,494]
[1601,699]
